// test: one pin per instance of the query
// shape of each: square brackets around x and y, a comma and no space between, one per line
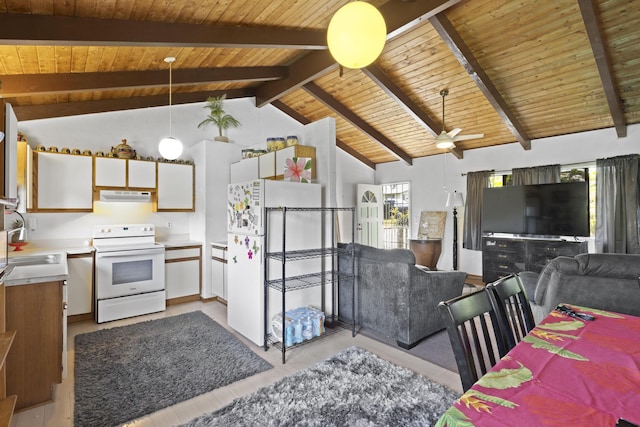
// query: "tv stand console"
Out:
[502,256]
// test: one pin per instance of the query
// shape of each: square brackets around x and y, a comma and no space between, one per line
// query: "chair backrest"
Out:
[512,305]
[477,336]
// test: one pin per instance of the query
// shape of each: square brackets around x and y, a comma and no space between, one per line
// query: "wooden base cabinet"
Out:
[7,403]
[219,271]
[183,273]
[34,364]
[80,287]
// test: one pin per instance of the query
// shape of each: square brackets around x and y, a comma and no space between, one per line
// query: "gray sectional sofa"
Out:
[394,297]
[604,281]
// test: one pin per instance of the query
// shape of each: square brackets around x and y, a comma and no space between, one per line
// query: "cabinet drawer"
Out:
[500,245]
[219,253]
[181,253]
[557,248]
[508,266]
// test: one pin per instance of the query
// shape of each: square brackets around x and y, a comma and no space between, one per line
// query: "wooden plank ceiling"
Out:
[515,71]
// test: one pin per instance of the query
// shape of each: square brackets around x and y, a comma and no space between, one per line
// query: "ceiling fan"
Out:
[448,139]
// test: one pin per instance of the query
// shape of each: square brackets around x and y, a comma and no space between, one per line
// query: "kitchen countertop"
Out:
[26,274]
[176,243]
[70,246]
[220,244]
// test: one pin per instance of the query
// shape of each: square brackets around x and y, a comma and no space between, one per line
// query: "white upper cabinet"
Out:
[123,173]
[63,182]
[267,165]
[175,187]
[245,170]
[110,172]
[142,174]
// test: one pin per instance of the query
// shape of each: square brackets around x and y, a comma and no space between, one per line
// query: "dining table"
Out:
[579,366]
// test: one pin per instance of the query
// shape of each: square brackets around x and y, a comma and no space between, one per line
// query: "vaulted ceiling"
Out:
[515,70]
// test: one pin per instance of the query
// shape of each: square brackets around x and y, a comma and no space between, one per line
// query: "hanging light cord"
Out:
[170,92]
[170,60]
[443,93]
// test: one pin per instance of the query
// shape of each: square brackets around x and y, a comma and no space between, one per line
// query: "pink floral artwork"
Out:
[297,169]
[250,254]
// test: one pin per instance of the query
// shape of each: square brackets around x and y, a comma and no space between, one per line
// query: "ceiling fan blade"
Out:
[465,137]
[454,132]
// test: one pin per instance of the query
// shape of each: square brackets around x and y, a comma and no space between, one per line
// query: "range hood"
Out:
[124,196]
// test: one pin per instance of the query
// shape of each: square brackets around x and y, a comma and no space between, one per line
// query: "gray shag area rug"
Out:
[127,372]
[352,388]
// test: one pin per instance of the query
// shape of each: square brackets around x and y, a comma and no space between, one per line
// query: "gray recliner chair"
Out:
[603,281]
[394,297]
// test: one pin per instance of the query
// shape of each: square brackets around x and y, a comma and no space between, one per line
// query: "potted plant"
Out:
[218,117]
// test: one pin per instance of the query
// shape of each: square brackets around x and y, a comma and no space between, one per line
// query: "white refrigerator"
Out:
[246,249]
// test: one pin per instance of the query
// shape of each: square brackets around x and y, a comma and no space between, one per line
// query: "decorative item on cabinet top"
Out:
[123,150]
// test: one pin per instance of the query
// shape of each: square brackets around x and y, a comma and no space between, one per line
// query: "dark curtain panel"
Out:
[617,228]
[549,174]
[472,234]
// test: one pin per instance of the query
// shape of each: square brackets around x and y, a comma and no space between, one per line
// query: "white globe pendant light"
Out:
[170,148]
[356,34]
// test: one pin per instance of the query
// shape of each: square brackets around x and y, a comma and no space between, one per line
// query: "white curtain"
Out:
[617,198]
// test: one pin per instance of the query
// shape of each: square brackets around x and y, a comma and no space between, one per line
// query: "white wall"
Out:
[432,176]
[143,128]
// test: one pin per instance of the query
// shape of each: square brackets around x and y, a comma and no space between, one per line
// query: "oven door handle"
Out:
[136,252]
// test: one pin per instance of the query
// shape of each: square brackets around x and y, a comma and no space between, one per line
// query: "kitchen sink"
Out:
[35,260]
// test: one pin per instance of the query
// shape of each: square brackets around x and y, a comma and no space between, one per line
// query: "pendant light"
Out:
[170,148]
[356,34]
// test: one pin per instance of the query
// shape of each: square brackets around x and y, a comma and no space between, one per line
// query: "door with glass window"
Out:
[369,215]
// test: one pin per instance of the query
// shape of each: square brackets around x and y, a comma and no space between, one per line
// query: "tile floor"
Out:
[59,413]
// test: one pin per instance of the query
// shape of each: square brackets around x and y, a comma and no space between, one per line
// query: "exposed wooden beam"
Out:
[45,111]
[38,84]
[399,17]
[304,120]
[306,69]
[29,29]
[600,53]
[378,76]
[364,127]
[456,151]
[466,58]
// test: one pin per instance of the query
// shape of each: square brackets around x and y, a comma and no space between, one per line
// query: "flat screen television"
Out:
[537,210]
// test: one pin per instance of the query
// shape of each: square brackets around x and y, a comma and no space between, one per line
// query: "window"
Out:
[396,215]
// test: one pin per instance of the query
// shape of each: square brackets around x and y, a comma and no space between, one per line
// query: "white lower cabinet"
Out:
[182,273]
[219,271]
[80,284]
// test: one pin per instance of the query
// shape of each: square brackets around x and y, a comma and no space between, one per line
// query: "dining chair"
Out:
[478,336]
[513,306]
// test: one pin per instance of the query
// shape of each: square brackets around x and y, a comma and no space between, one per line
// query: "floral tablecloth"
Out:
[566,372]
